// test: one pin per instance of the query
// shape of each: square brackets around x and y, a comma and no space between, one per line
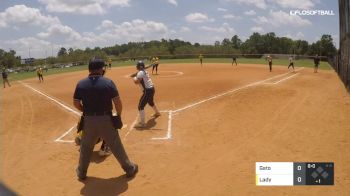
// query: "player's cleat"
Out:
[80,175]
[104,151]
[155,115]
[133,172]
[140,125]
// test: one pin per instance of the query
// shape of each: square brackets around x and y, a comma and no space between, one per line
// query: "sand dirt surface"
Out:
[217,121]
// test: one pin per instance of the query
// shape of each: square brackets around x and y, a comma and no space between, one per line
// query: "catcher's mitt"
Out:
[117,122]
[78,137]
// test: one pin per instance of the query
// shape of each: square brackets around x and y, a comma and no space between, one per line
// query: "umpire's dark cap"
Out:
[96,63]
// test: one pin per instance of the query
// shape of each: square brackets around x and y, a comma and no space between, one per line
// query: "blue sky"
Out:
[43,26]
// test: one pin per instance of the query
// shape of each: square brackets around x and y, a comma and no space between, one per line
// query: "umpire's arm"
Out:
[118,105]
[77,97]
[77,104]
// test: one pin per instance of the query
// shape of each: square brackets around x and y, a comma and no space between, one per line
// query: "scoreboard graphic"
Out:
[294,173]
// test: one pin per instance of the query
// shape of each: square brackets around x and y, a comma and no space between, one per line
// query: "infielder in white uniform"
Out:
[142,78]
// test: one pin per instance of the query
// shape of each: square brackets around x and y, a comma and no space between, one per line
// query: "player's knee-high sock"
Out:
[142,116]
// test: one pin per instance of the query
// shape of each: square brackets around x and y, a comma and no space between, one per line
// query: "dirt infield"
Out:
[216,122]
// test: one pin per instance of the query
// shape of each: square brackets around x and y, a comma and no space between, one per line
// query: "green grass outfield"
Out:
[297,63]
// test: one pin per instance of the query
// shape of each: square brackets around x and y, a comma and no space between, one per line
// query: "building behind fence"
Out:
[341,63]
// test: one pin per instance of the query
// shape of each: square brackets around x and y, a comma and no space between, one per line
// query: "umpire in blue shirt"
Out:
[94,96]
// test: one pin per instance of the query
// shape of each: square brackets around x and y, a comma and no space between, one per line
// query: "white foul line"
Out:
[284,79]
[60,104]
[228,92]
[171,113]
[52,99]
[131,127]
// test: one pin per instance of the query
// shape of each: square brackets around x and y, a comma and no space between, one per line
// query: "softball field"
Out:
[216,122]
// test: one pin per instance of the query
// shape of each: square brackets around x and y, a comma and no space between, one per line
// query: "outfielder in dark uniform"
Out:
[5,79]
[142,78]
[110,63]
[316,62]
[94,96]
[291,63]
[234,60]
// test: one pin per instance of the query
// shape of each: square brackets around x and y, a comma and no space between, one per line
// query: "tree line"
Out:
[257,43]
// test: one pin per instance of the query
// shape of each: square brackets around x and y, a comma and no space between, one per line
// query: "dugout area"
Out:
[222,120]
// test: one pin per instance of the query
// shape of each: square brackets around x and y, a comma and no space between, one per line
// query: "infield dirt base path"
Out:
[213,147]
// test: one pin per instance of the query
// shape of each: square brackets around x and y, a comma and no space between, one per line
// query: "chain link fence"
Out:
[341,62]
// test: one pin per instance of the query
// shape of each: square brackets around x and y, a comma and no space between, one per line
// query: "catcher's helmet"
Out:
[140,65]
[96,63]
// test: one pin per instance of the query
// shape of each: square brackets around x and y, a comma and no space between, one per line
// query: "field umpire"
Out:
[94,96]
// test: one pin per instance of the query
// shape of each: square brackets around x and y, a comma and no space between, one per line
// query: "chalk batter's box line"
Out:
[69,109]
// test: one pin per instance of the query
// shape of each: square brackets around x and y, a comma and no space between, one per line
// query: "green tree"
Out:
[236,42]
[226,42]
[70,51]
[323,47]
[327,47]
[9,59]
[301,47]
[62,51]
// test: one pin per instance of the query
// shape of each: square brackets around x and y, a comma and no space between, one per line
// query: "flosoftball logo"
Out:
[311,12]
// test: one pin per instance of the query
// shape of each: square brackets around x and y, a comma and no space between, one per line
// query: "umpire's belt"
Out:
[102,113]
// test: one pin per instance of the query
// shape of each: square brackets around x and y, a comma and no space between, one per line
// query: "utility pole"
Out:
[45,55]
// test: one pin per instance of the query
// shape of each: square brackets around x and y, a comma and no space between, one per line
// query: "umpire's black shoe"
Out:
[133,172]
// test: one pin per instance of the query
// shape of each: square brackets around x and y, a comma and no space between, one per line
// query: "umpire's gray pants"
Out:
[101,127]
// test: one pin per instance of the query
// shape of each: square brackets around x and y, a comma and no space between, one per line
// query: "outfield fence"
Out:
[230,56]
[341,63]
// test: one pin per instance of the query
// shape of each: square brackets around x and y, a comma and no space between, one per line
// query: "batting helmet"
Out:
[96,63]
[140,65]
